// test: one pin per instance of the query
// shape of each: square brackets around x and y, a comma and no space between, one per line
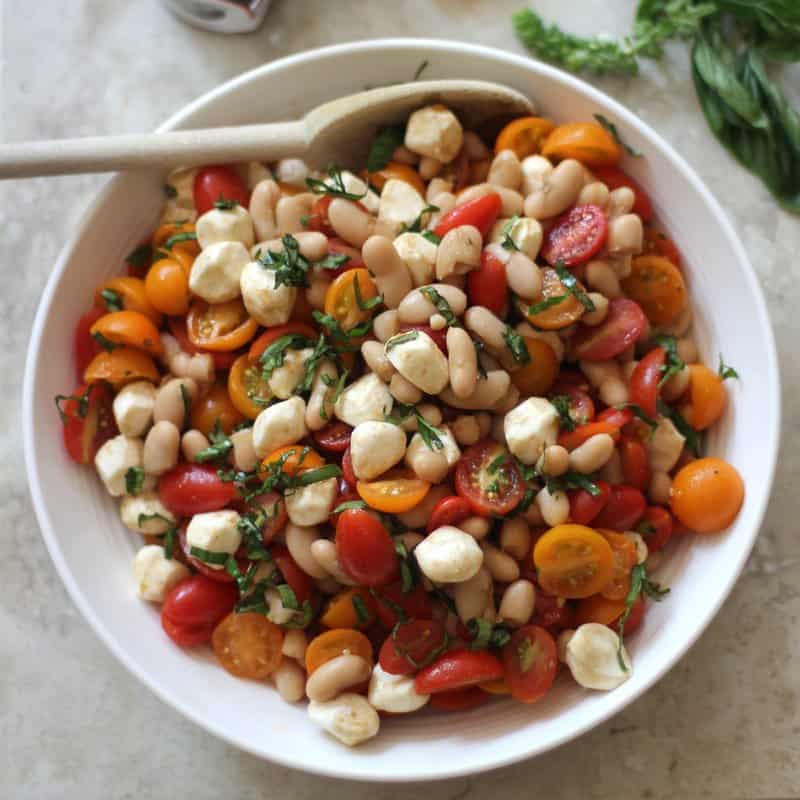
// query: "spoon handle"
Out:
[190,148]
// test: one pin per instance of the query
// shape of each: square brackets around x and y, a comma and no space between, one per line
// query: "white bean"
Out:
[676,385]
[436,187]
[601,277]
[472,596]
[299,540]
[244,452]
[613,392]
[318,283]
[192,443]
[489,328]
[501,566]
[336,675]
[386,325]
[641,547]
[418,516]
[171,402]
[161,448]
[687,350]
[476,527]
[554,461]
[263,201]
[403,390]
[592,454]
[511,202]
[598,316]
[294,646]
[289,212]
[290,681]
[505,170]
[350,222]
[465,428]
[324,553]
[515,538]
[375,358]
[625,235]
[517,603]
[620,201]
[595,193]
[488,391]
[523,276]
[391,273]
[612,470]
[458,252]
[557,192]
[554,507]
[319,410]
[462,362]
[428,168]
[660,488]
[416,309]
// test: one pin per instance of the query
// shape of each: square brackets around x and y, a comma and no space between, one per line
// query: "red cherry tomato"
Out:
[551,613]
[439,337]
[459,699]
[635,618]
[415,604]
[576,236]
[449,510]
[657,527]
[487,285]
[623,510]
[584,507]
[275,514]
[624,324]
[581,406]
[481,213]
[86,346]
[618,417]
[645,380]
[88,419]
[457,669]
[531,661]
[497,491]
[347,469]
[193,489]
[334,437]
[635,462]
[193,608]
[302,585]
[364,548]
[614,178]
[338,247]
[318,218]
[412,646]
[218,183]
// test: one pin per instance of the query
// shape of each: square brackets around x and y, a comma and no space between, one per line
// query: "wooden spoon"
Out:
[339,131]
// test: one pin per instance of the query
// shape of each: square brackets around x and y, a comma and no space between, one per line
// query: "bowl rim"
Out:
[548,72]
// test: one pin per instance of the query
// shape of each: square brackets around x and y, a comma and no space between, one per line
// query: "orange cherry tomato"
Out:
[573,561]
[657,285]
[129,294]
[167,284]
[575,438]
[657,243]
[248,645]
[334,643]
[524,136]
[128,328]
[598,608]
[394,492]
[215,407]
[120,366]
[221,326]
[297,459]
[624,551]
[588,142]
[707,495]
[537,377]
[341,609]
[273,334]
[249,391]
[707,397]
[497,686]
[176,236]
[561,315]
[397,171]
[341,302]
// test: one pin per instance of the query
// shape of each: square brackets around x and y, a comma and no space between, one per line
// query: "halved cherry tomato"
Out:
[489,484]
[538,376]
[394,492]
[182,235]
[365,549]
[706,399]
[88,421]
[657,243]
[573,561]
[584,506]
[297,459]
[524,135]
[657,285]
[221,326]
[624,551]
[618,417]
[334,643]
[614,178]
[707,495]
[656,527]
[167,284]
[587,142]
[129,328]
[396,171]
[222,360]
[215,408]
[248,645]
[481,213]
[439,337]
[623,510]
[338,247]
[645,380]
[275,515]
[318,216]
[347,468]
[566,311]
[194,607]
[193,489]
[635,462]
[576,236]
[415,604]
[412,646]
[249,391]
[301,584]
[457,669]
[274,333]
[459,699]
[120,366]
[552,613]
[623,326]
[334,437]
[86,346]
[218,183]
[126,293]
[599,609]
[575,438]
[487,286]
[530,659]
[341,301]
[581,406]
[302,311]
[449,510]
[341,612]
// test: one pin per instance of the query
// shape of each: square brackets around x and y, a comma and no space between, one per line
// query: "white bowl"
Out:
[92,550]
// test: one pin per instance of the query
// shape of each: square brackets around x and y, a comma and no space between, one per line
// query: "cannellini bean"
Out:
[445,202]
[515,538]
[597,372]
[294,645]
[244,452]
[488,391]
[660,488]
[472,596]
[324,553]
[613,392]
[595,193]
[437,322]
[350,222]
[506,170]
[290,210]
[161,448]
[533,516]
[263,201]
[600,312]
[403,155]
[199,367]
[487,327]
[376,360]
[418,516]
[171,401]
[318,283]
[476,527]
[390,271]
[331,678]
[625,235]
[557,192]
[628,368]
[459,251]
[428,168]
[511,201]
[687,350]
[620,201]
[611,472]
[517,603]
[312,245]
[497,430]
[592,454]
[621,264]
[510,401]
[290,681]
[386,324]
[523,276]
[319,410]
[676,385]
[501,566]
[554,461]
[484,421]
[601,277]
[299,540]
[465,427]
[554,507]
[428,465]
[665,445]
[192,443]
[416,309]
[462,362]
[403,390]
[349,717]
[436,187]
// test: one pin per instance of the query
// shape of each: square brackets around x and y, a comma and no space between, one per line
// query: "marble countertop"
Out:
[73,723]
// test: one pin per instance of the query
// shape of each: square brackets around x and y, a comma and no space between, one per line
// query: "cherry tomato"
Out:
[296,459]
[248,645]
[576,236]
[412,646]
[489,486]
[614,178]
[635,462]
[301,584]
[249,391]
[457,669]
[193,607]
[274,333]
[339,247]
[139,259]
[439,337]
[193,489]
[221,326]
[364,548]
[623,326]
[564,313]
[645,380]
[537,377]
[581,406]
[459,699]
[707,495]
[215,408]
[657,285]
[217,574]
[177,231]
[487,285]
[394,492]
[573,561]
[656,527]
[218,183]
[396,171]
[129,328]
[334,437]
[120,366]
[524,135]
[618,417]
[88,420]
[584,506]
[575,438]
[340,611]
[334,643]
[659,244]
[587,142]
[552,613]
[624,551]
[530,659]
[275,515]
[623,510]
[481,213]
[415,604]
[185,636]
[129,294]
[449,510]
[707,397]
[341,300]
[635,618]
[318,216]
[347,469]
[167,284]
[86,346]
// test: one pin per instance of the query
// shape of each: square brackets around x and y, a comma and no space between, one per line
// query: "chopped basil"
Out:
[134,480]
[105,343]
[338,387]
[333,261]
[683,427]
[290,266]
[640,584]
[432,237]
[383,146]
[170,534]
[365,305]
[537,308]
[430,435]
[516,344]
[251,527]
[187,401]
[483,634]
[725,371]
[140,257]
[641,414]
[274,354]
[303,621]
[81,399]
[335,188]
[573,480]
[208,556]
[112,300]
[322,351]
[315,476]
[420,69]
[170,191]
[184,236]
[288,597]
[362,612]
[336,330]
[441,305]
[400,338]
[221,445]
[349,505]
[507,242]
[225,205]
[612,129]
[408,567]
[673,363]
[571,284]
[417,225]
[562,405]
[496,463]
[243,580]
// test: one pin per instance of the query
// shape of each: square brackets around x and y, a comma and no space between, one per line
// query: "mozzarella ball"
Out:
[524,232]
[448,555]
[375,447]
[593,657]
[267,304]
[285,378]
[115,458]
[530,427]
[349,717]
[155,574]
[394,693]
[354,185]
[311,505]
[293,171]
[400,204]
[278,425]
[420,361]
[225,225]
[434,131]
[133,408]
[215,531]
[134,507]
[433,464]
[366,399]
[419,255]
[217,271]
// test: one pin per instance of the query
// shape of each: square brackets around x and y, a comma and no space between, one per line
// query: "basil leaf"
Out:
[441,305]
[432,237]
[335,188]
[365,305]
[362,613]
[571,284]
[208,556]
[140,257]
[225,205]
[682,426]
[184,236]
[537,308]
[561,403]
[420,69]
[516,344]
[417,225]
[400,338]
[349,505]
[316,475]
[303,621]
[288,597]
[507,242]
[112,300]
[105,343]
[612,129]
[640,584]
[134,480]
[725,371]
[383,146]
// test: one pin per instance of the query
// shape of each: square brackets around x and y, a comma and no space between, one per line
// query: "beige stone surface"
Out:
[73,723]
